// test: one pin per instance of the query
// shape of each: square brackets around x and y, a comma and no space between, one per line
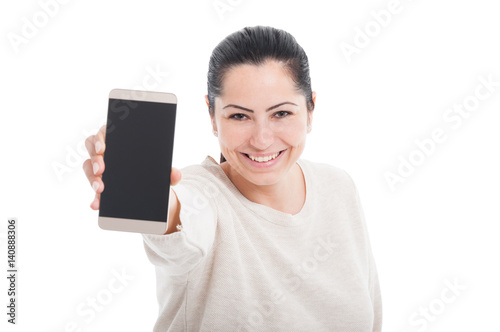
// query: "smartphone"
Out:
[138,161]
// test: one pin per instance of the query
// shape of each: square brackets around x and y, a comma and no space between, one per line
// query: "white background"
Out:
[440,223]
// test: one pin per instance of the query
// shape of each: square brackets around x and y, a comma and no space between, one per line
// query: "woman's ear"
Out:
[310,113]
[214,126]
[212,117]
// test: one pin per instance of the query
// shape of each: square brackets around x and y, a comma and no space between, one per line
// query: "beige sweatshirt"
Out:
[241,266]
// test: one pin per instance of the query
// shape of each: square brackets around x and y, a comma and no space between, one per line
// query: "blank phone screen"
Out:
[138,160]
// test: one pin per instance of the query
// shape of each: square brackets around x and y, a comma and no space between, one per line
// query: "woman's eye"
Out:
[238,116]
[281,114]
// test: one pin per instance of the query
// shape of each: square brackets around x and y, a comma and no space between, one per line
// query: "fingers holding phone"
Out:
[95,145]
[94,167]
[96,180]
[175,176]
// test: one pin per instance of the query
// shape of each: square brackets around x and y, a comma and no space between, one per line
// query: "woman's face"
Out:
[261,120]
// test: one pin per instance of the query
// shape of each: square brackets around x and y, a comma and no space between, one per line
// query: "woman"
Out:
[263,241]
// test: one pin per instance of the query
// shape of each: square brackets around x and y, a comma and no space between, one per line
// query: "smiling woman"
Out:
[263,240]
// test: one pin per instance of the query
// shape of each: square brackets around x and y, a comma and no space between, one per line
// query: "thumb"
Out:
[175,176]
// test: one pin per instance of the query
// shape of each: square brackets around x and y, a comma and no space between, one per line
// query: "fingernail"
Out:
[95,186]
[98,147]
[95,167]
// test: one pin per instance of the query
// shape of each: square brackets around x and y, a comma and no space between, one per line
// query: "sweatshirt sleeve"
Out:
[375,296]
[179,252]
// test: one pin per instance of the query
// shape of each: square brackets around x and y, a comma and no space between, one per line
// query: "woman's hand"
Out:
[94,168]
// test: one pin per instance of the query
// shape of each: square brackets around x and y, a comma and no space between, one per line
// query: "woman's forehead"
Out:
[269,80]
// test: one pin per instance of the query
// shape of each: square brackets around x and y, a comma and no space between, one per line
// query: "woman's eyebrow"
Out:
[251,111]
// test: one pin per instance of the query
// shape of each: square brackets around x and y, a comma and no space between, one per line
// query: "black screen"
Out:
[138,160]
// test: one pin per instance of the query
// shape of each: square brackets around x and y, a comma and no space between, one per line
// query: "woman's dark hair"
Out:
[256,45]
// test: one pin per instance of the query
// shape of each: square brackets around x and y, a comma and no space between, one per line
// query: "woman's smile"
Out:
[263,160]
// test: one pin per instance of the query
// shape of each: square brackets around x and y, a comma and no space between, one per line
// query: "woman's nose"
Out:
[262,136]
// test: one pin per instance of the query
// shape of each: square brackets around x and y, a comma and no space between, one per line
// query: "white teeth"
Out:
[264,159]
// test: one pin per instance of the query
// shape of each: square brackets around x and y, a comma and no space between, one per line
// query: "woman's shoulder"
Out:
[320,169]
[206,173]
[207,166]
[327,175]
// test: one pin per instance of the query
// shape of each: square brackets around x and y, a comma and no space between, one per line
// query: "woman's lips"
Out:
[264,160]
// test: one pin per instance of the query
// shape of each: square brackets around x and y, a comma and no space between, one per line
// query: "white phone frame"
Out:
[137,225]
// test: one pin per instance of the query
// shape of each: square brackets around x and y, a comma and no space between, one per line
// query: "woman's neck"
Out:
[288,195]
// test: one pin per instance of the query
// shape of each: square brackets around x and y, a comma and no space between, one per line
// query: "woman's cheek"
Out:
[294,134]
[232,136]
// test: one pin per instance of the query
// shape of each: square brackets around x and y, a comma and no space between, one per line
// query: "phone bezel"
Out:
[137,225]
